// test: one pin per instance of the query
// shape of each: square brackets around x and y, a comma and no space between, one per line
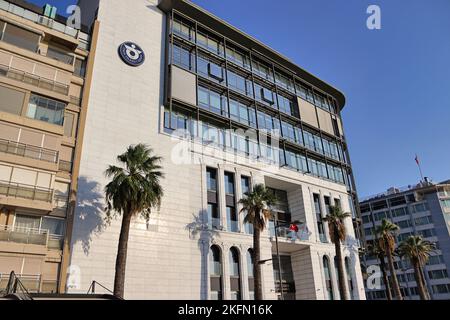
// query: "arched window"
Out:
[235,274]
[349,277]
[251,282]
[328,281]
[215,272]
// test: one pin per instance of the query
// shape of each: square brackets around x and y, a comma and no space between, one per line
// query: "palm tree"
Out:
[256,205]
[386,233]
[338,233]
[376,250]
[134,189]
[417,250]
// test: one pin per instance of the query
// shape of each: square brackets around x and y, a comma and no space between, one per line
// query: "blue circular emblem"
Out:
[131,54]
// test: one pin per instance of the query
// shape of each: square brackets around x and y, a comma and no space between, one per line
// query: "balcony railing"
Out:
[288,234]
[33,283]
[65,166]
[27,151]
[31,236]
[17,190]
[34,80]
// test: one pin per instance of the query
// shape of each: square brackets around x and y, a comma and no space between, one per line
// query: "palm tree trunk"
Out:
[385,277]
[419,280]
[121,260]
[256,265]
[340,267]
[394,280]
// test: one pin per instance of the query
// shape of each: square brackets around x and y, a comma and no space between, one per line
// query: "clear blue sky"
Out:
[396,80]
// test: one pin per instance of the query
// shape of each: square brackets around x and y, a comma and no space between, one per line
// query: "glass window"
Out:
[183,57]
[211,179]
[21,38]
[237,58]
[215,272]
[212,101]
[80,67]
[183,30]
[60,55]
[262,70]
[53,225]
[26,223]
[46,110]
[229,183]
[328,280]
[286,105]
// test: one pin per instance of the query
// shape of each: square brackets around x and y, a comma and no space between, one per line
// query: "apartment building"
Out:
[42,74]
[225,112]
[424,210]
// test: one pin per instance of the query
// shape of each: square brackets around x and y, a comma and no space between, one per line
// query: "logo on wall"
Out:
[131,54]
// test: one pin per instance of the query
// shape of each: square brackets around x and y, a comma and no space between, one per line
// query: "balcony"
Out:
[40,237]
[33,283]
[34,80]
[27,151]
[17,190]
[65,166]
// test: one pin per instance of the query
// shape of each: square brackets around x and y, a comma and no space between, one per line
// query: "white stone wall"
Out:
[166,259]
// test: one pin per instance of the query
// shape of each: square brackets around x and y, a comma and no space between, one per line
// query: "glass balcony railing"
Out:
[17,190]
[27,151]
[65,166]
[47,84]
[31,236]
[323,238]
[214,224]
[233,226]
[33,283]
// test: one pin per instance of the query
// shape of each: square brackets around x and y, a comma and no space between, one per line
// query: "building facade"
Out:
[225,112]
[424,210]
[42,75]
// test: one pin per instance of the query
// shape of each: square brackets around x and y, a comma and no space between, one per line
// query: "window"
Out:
[211,179]
[441,288]
[46,110]
[287,106]
[245,185]
[268,122]
[264,95]
[237,58]
[80,67]
[25,223]
[296,161]
[349,278]
[318,211]
[239,83]
[433,260]
[427,233]
[328,280]
[446,203]
[212,101]
[213,216]
[211,44]
[404,224]
[251,284]
[242,113]
[399,212]
[60,55]
[229,183]
[21,38]
[183,30]
[183,57]
[210,69]
[11,101]
[423,221]
[420,207]
[215,273]
[438,274]
[284,81]
[54,226]
[235,274]
[262,70]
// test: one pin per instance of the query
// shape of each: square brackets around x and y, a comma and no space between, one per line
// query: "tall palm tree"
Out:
[417,250]
[256,205]
[134,189]
[376,250]
[386,240]
[338,233]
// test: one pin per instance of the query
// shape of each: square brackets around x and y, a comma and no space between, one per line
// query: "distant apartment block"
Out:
[424,210]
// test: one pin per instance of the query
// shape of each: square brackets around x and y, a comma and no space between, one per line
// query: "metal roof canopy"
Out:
[204,17]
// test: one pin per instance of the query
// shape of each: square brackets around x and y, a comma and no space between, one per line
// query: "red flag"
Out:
[417,160]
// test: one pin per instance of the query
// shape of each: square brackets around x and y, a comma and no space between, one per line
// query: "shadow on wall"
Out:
[199,229]
[89,219]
